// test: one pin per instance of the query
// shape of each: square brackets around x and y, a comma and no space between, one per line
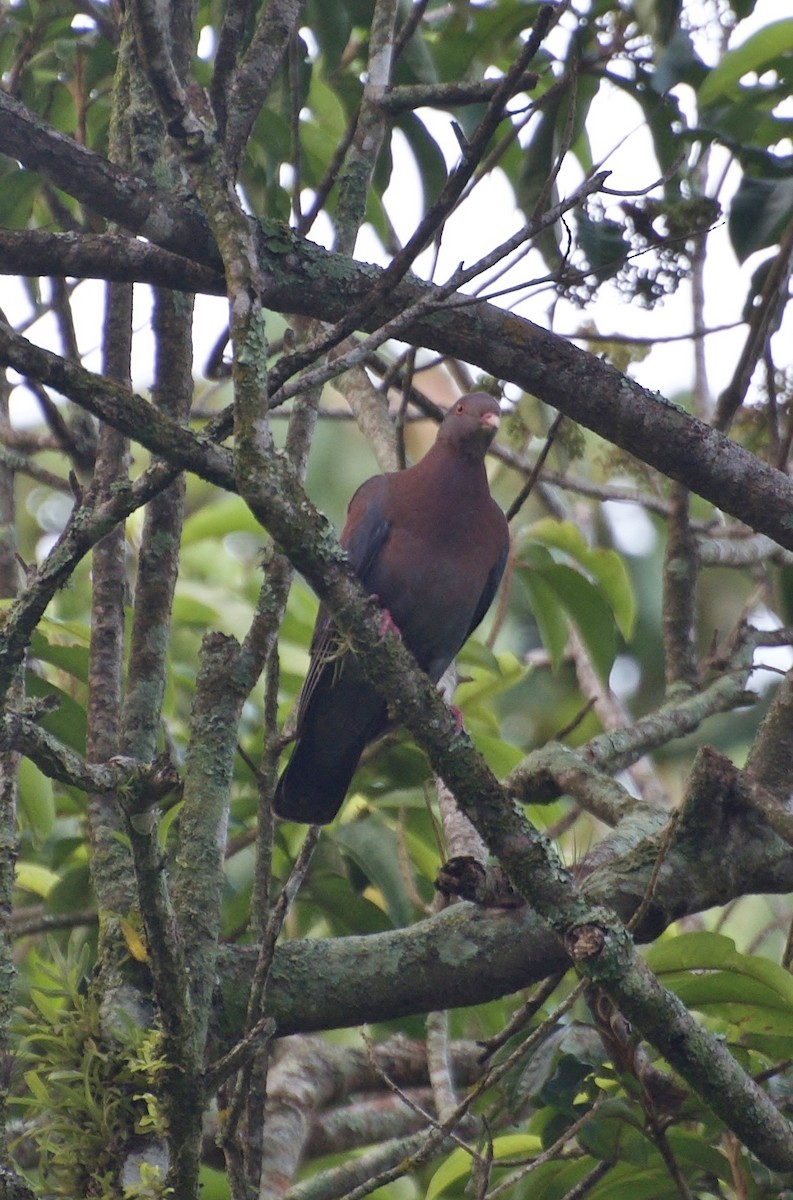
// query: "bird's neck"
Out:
[449,482]
[467,470]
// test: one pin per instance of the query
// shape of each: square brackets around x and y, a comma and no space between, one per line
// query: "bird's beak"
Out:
[491,419]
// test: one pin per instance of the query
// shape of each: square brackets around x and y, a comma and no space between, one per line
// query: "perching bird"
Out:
[430,543]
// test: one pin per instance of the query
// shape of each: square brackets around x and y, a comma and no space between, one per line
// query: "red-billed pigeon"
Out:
[430,543]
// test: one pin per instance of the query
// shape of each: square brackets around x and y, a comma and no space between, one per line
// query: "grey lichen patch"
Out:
[251,351]
[670,404]
[328,543]
[162,542]
[457,949]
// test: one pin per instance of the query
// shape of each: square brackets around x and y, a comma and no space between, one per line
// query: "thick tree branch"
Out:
[301,277]
[141,784]
[111,256]
[107,189]
[119,407]
[721,851]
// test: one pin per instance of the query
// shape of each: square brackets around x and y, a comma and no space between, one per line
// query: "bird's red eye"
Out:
[460,408]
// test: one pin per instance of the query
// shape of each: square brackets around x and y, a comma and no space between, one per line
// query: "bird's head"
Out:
[471,424]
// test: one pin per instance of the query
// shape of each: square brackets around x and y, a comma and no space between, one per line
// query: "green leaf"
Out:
[604,244]
[553,1073]
[427,153]
[271,143]
[559,535]
[757,53]
[616,1132]
[760,211]
[231,514]
[606,566]
[551,620]
[502,757]
[36,801]
[372,846]
[332,27]
[458,1165]
[77,632]
[327,109]
[589,613]
[37,1087]
[48,1006]
[423,855]
[214,1185]
[715,952]
[713,991]
[68,720]
[187,610]
[72,891]
[490,676]
[476,654]
[691,1148]
[626,1183]
[33,878]
[344,910]
[73,659]
[17,194]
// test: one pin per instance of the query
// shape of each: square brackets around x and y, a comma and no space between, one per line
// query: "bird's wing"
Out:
[489,591]
[363,537]
[367,525]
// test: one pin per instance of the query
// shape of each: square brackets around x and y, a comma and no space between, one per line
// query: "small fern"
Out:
[86,1088]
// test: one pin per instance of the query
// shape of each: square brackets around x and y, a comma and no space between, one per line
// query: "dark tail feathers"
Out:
[312,787]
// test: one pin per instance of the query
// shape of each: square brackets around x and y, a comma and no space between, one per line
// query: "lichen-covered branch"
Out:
[111,256]
[310,1074]
[144,783]
[680,597]
[203,821]
[110,866]
[554,769]
[407,97]
[10,1184]
[252,80]
[158,557]
[301,277]
[120,408]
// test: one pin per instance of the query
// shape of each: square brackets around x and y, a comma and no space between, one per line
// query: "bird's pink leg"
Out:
[458,720]
[387,623]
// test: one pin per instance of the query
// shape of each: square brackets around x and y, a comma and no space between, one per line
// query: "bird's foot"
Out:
[388,624]
[458,720]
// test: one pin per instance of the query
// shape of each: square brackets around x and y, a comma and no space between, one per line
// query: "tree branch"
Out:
[344,982]
[254,77]
[302,277]
[407,97]
[111,256]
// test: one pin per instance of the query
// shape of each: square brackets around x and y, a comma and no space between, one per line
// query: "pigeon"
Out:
[430,543]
